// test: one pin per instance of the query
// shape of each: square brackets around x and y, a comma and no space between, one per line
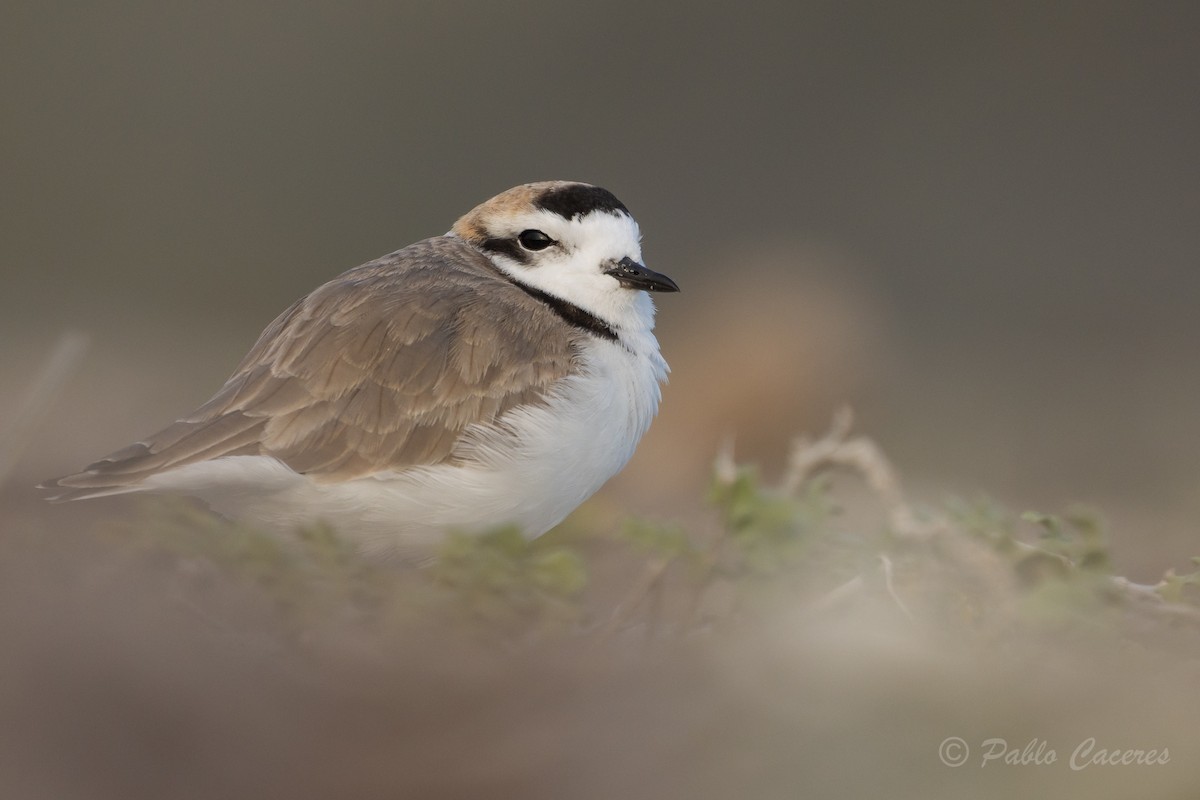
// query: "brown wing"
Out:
[380,369]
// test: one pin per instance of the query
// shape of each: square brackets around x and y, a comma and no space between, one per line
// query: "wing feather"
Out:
[381,369]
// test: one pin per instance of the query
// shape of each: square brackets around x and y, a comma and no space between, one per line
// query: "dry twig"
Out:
[864,457]
[56,371]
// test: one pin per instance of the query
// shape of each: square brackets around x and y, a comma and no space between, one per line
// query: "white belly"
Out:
[531,471]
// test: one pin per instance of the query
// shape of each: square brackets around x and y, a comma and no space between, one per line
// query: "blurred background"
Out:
[975,223]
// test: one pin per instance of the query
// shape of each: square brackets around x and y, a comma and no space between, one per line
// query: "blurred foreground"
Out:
[822,637]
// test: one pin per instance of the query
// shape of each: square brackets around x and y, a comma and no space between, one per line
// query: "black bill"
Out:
[633,275]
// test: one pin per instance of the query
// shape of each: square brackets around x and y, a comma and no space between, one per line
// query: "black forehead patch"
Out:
[576,200]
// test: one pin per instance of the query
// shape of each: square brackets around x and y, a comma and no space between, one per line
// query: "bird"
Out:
[496,375]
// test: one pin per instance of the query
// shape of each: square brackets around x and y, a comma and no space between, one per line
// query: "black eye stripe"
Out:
[506,247]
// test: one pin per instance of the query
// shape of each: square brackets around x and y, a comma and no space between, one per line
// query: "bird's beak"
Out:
[633,275]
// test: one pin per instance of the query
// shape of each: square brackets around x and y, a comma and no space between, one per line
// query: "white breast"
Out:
[532,470]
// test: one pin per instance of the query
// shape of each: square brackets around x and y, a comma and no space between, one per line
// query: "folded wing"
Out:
[382,368]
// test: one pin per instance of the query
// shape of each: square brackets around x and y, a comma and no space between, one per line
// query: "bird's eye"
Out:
[534,240]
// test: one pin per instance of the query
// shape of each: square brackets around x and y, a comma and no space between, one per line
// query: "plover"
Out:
[499,374]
